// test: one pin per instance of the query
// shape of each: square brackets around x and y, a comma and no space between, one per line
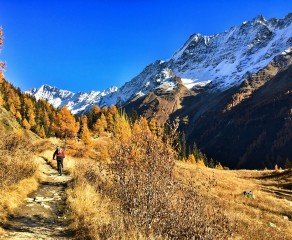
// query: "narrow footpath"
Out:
[44,214]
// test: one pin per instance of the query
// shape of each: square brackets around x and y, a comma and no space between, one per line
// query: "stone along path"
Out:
[44,213]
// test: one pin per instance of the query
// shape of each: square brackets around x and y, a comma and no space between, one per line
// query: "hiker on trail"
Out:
[59,154]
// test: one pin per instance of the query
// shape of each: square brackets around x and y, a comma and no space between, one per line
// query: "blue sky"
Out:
[92,44]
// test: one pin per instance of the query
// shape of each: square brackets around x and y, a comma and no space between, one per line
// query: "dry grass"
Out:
[99,215]
[12,197]
[18,175]
[106,207]
[96,216]
[251,215]
[15,154]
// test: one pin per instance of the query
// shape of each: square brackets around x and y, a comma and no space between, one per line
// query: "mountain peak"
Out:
[260,18]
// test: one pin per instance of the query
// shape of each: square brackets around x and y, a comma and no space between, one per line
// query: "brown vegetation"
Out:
[15,152]
[18,175]
[252,216]
[18,170]
[136,194]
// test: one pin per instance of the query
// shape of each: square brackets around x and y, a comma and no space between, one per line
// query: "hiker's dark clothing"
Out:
[60,155]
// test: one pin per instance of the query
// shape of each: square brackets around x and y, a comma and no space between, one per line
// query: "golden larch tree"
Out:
[122,128]
[100,125]
[65,124]
[25,124]
[29,110]
[84,134]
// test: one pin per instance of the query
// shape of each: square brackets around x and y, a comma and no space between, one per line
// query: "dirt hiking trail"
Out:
[44,213]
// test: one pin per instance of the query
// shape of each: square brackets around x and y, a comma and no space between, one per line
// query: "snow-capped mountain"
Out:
[226,58]
[76,102]
[218,61]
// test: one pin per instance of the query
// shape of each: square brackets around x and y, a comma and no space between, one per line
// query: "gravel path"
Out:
[44,213]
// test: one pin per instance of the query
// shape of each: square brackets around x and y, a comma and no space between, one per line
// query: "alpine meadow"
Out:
[195,146]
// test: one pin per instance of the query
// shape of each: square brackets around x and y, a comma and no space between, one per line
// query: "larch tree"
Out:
[65,124]
[93,115]
[100,125]
[122,128]
[29,111]
[191,158]
[113,110]
[1,100]
[84,133]
[96,110]
[110,122]
[25,124]
[40,131]
[155,127]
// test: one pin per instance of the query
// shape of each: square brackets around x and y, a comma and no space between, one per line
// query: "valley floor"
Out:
[44,214]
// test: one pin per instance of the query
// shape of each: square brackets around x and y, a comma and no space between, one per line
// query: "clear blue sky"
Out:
[92,44]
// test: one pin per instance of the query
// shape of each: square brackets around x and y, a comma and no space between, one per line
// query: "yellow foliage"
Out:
[29,111]
[100,126]
[1,100]
[155,127]
[191,158]
[12,109]
[140,126]
[200,163]
[96,110]
[65,124]
[122,128]
[18,115]
[25,124]
[110,122]
[113,110]
[219,166]
[41,131]
[85,135]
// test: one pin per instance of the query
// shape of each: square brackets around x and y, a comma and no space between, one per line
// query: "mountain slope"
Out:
[219,61]
[247,126]
[244,126]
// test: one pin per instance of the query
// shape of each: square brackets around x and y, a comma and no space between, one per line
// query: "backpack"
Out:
[60,153]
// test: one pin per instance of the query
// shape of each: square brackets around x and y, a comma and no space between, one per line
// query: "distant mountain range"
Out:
[231,92]
[77,102]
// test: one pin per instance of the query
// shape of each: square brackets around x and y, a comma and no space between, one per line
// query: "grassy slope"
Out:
[253,216]
[8,121]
